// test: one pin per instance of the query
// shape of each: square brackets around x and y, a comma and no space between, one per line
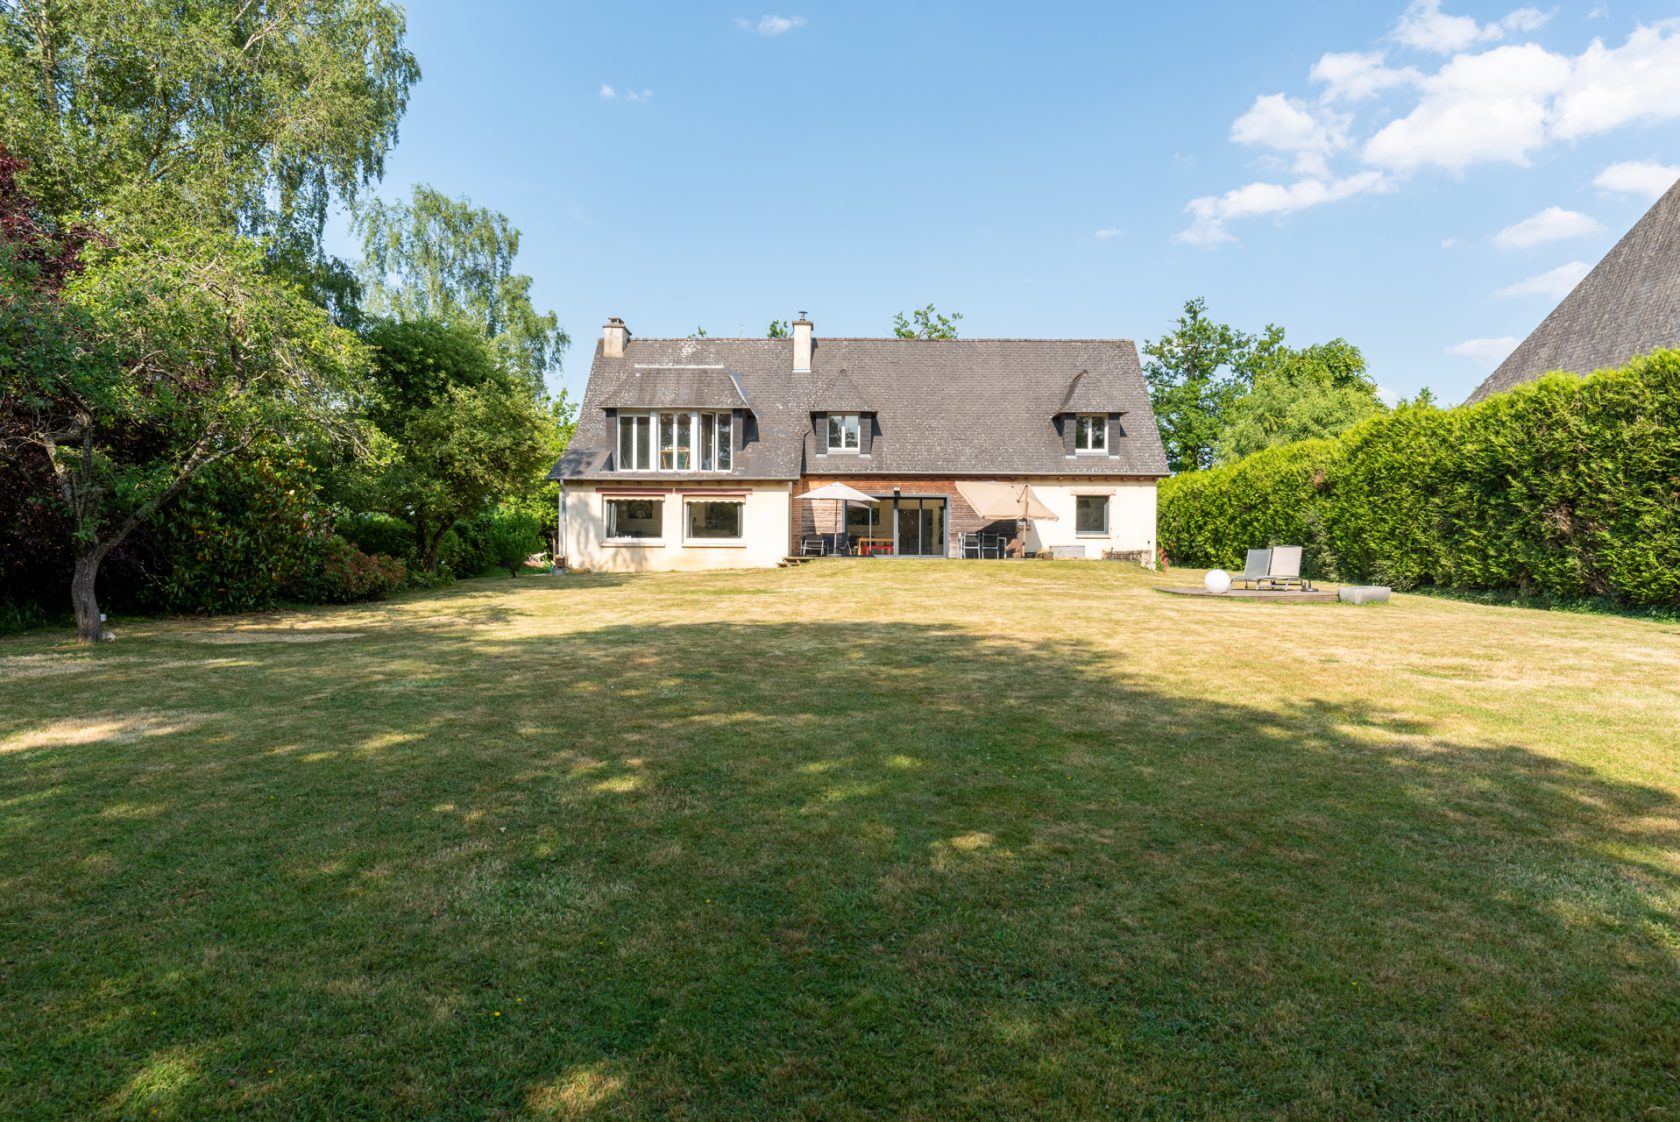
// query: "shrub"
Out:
[377,533]
[1562,488]
[344,574]
[512,536]
[237,536]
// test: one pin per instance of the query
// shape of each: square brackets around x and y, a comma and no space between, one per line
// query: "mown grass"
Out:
[861,840]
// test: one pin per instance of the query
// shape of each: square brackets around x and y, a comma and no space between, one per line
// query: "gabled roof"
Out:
[841,395]
[1628,305]
[1090,393]
[943,407]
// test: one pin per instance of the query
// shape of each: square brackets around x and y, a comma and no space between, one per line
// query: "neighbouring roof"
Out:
[1627,306]
[943,407]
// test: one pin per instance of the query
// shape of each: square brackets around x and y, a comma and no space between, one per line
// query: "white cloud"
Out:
[1638,178]
[1484,104]
[1427,28]
[1387,396]
[1553,283]
[1490,351]
[1287,125]
[608,91]
[1610,87]
[1554,224]
[638,95]
[1109,232]
[1356,76]
[1477,108]
[771,26]
[1211,212]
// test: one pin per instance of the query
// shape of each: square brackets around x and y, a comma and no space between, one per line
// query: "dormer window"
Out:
[844,430]
[1090,434]
[670,441]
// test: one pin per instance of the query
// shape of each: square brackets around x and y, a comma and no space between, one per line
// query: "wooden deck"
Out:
[1316,596]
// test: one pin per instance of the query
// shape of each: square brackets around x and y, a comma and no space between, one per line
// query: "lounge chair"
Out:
[1285,569]
[1255,569]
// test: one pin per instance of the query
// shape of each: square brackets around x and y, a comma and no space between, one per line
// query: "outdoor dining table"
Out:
[869,547]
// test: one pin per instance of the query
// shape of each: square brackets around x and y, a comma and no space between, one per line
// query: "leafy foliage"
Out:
[779,329]
[444,259]
[345,574]
[1563,488]
[252,114]
[926,323]
[1302,393]
[1195,373]
[459,431]
[173,349]
[243,535]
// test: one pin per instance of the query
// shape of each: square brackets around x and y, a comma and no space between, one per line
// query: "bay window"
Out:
[673,441]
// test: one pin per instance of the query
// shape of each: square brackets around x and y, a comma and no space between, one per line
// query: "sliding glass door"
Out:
[921,527]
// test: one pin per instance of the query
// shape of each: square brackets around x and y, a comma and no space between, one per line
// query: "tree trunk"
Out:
[89,627]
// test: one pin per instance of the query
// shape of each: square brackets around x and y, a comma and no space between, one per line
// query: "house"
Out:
[1627,306]
[693,453]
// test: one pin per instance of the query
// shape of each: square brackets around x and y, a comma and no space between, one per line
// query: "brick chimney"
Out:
[802,345]
[614,336]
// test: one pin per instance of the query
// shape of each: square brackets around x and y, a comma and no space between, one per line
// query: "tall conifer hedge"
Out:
[1565,487]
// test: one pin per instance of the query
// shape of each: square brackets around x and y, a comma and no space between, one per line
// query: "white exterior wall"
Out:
[763,541]
[1131,516]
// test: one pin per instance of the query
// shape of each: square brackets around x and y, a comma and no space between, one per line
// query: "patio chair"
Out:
[813,545]
[1285,569]
[836,544]
[970,545]
[1255,569]
[993,546]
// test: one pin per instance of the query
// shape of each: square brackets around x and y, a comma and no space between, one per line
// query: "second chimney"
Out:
[614,336]
[802,345]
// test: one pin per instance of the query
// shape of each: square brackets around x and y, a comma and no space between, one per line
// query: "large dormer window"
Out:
[844,430]
[1090,433]
[673,441]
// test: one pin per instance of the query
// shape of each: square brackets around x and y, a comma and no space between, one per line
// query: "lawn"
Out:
[860,840]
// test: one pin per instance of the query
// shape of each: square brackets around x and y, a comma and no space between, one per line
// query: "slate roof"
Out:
[1628,305]
[943,407]
[841,395]
[674,387]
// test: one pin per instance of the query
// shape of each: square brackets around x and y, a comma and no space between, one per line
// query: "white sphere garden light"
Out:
[1218,582]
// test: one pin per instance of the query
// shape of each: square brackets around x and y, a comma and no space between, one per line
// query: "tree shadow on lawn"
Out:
[805,870]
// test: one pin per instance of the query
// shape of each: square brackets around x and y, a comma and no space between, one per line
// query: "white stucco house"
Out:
[693,453]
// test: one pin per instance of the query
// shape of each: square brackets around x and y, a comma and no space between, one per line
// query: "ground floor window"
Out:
[1090,514]
[635,518]
[712,520]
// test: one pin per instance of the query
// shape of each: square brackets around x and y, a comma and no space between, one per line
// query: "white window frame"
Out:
[851,429]
[735,542]
[667,425]
[1093,429]
[607,520]
[1107,521]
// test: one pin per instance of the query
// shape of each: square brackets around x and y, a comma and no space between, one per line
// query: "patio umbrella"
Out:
[840,493]
[1019,501]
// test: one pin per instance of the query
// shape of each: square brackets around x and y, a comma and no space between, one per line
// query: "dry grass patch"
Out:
[872,839]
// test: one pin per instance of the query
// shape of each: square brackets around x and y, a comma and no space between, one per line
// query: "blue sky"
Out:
[1425,180]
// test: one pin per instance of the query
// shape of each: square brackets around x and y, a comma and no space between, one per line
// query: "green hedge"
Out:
[1565,487]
